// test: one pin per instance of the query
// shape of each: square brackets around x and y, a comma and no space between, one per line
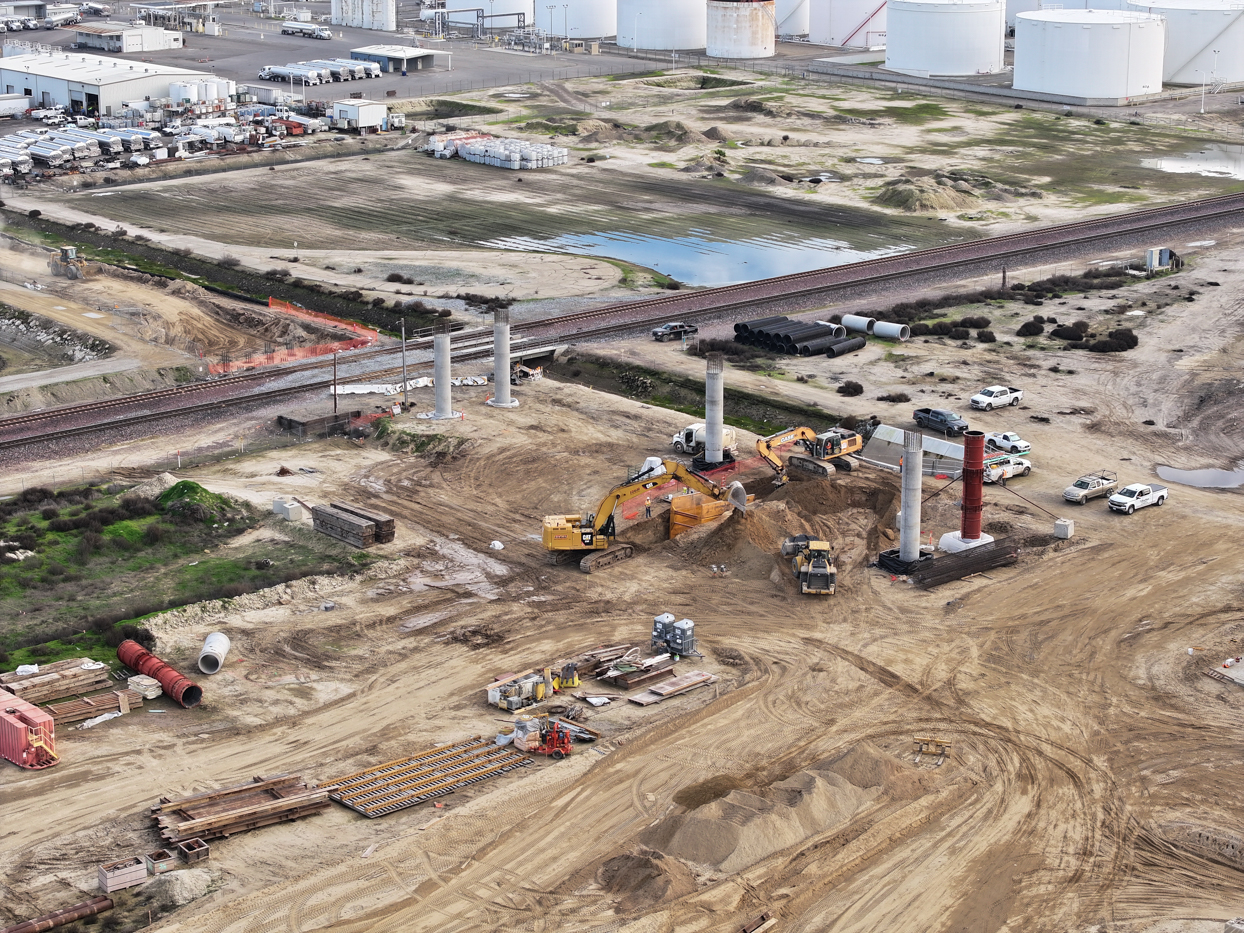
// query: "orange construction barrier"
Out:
[363,337]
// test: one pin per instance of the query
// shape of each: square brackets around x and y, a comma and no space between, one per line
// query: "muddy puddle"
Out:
[1219,160]
[1205,479]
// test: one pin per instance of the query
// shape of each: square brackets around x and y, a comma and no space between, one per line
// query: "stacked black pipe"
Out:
[779,334]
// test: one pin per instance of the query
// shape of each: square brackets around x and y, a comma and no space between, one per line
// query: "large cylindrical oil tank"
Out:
[589,19]
[853,24]
[740,29]
[792,17]
[1108,54]
[1204,39]
[945,37]
[662,24]
[498,8]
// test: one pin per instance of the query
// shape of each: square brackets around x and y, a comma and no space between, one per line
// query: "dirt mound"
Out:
[155,486]
[767,107]
[716,133]
[918,195]
[867,766]
[700,166]
[648,532]
[675,130]
[761,178]
[644,878]
[746,542]
[597,131]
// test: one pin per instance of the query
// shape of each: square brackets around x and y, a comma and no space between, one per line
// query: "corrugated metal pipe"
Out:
[57,918]
[973,485]
[745,327]
[821,344]
[861,325]
[212,657]
[847,346]
[184,691]
[792,343]
[891,331]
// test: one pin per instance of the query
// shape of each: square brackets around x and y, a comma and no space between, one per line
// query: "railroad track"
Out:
[612,320]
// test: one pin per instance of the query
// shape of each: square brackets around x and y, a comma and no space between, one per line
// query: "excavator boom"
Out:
[821,448]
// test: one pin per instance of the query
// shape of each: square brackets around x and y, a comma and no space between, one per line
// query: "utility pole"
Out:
[334,383]
[405,382]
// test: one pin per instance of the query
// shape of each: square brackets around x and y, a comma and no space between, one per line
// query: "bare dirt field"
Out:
[1092,784]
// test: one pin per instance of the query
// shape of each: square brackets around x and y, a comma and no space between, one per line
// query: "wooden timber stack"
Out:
[217,813]
[86,707]
[56,667]
[343,526]
[41,687]
[386,525]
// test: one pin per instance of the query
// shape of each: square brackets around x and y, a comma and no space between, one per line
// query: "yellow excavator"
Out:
[824,453]
[587,537]
[812,562]
[68,263]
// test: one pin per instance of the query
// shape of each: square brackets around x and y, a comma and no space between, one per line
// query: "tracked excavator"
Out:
[823,453]
[587,538]
[68,263]
[812,562]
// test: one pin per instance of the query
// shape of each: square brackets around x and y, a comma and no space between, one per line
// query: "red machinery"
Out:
[554,740]
[27,734]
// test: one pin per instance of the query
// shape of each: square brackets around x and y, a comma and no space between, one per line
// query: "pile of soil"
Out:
[598,131]
[699,166]
[153,488]
[867,766]
[768,108]
[716,133]
[675,131]
[761,178]
[644,878]
[917,195]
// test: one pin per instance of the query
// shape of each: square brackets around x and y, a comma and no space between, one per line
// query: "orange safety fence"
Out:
[364,337]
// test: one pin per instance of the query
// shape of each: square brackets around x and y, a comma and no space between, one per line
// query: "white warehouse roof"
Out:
[91,69]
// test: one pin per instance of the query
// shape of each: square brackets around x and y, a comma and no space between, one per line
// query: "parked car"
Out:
[674,331]
[1137,496]
[999,471]
[939,419]
[1008,441]
[996,397]
[1091,486]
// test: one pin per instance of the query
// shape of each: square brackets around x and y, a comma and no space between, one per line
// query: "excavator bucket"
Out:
[736,495]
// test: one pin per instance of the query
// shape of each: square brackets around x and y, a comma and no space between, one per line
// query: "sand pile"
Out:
[744,827]
[917,195]
[597,131]
[153,487]
[768,108]
[865,765]
[644,878]
[747,542]
[761,178]
[676,131]
[716,133]
[699,166]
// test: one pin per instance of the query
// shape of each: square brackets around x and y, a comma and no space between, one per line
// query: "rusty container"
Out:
[178,686]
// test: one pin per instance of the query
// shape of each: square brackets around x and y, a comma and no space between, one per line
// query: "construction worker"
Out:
[648,507]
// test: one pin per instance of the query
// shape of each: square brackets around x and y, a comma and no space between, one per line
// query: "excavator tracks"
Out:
[602,559]
[817,467]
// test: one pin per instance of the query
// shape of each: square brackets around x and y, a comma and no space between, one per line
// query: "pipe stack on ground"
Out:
[58,918]
[889,331]
[779,334]
[744,328]
[861,325]
[848,345]
[184,691]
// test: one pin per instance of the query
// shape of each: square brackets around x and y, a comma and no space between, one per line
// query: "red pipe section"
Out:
[973,485]
[184,691]
[56,918]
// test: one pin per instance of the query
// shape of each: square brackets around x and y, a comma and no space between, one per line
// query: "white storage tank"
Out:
[792,17]
[498,8]
[851,24]
[740,29]
[590,19]
[1110,54]
[662,24]
[945,37]
[1204,39]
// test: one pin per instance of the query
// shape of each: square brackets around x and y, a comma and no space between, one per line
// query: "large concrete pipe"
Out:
[838,328]
[442,371]
[861,325]
[913,473]
[847,346]
[212,656]
[184,691]
[973,485]
[821,344]
[890,331]
[744,327]
[501,360]
[714,407]
[58,918]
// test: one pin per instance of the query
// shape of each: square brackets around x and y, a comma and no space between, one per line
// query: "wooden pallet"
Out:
[229,810]
[56,667]
[53,686]
[437,772]
[87,707]
[386,525]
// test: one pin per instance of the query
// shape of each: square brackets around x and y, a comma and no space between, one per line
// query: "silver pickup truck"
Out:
[1091,486]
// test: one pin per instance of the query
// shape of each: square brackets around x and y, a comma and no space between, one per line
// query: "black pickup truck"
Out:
[939,419]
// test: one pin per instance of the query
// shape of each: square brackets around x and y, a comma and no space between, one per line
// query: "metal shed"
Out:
[400,57]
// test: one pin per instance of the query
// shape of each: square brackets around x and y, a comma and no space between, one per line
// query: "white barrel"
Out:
[1203,38]
[861,325]
[212,657]
[1095,54]
[888,331]
[792,17]
[855,24]
[589,19]
[740,29]
[662,24]
[945,37]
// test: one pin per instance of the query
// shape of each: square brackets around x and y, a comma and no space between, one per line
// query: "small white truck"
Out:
[999,471]
[996,396]
[690,440]
[1009,441]
[1137,496]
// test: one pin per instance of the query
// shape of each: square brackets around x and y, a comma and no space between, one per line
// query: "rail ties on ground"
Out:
[437,772]
[951,567]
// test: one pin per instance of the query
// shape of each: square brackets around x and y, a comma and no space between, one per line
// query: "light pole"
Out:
[635,35]
[1202,89]
[550,8]
[566,20]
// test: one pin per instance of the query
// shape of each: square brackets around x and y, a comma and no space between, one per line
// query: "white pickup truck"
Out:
[1008,441]
[999,471]
[996,397]
[1137,496]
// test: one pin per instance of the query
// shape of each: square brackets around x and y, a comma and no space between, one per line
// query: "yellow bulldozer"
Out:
[68,263]
[823,454]
[812,563]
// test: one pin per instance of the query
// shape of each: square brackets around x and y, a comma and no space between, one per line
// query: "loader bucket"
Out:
[737,496]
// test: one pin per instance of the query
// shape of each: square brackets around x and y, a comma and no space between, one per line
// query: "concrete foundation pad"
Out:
[492,402]
[433,416]
[951,543]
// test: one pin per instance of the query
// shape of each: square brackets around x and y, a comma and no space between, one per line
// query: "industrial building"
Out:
[87,83]
[123,39]
[400,57]
[366,116]
[741,29]
[852,24]
[365,14]
[662,25]
[21,9]
[1089,54]
[945,37]
[1204,40]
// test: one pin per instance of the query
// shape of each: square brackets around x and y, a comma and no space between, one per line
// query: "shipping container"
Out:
[27,734]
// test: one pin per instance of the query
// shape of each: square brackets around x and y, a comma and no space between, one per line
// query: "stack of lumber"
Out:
[149,687]
[628,673]
[343,526]
[672,688]
[217,813]
[121,701]
[599,659]
[386,527]
[60,679]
